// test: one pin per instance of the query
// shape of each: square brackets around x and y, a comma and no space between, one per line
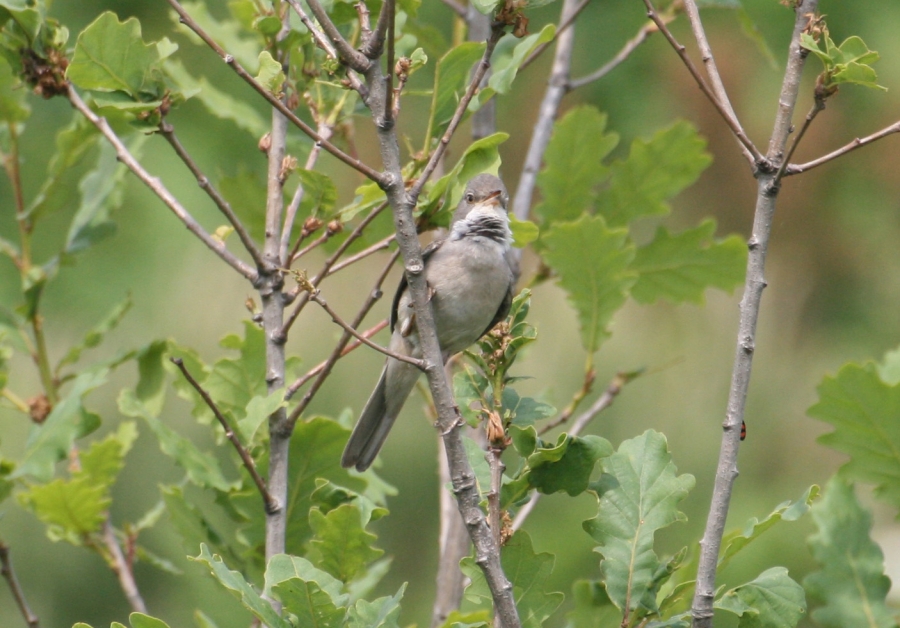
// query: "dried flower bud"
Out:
[265,143]
[335,226]
[38,408]
[311,225]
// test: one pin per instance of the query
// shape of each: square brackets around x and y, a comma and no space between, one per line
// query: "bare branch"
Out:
[374,45]
[271,504]
[563,26]
[586,387]
[6,568]
[767,194]
[818,106]
[371,299]
[326,267]
[168,132]
[630,46]
[352,57]
[857,143]
[340,351]
[157,187]
[387,9]
[290,213]
[690,7]
[356,164]
[317,34]
[122,569]
[543,126]
[730,120]
[295,255]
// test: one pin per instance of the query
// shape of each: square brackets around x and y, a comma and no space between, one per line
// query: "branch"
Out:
[356,164]
[543,126]
[271,504]
[456,7]
[374,44]
[857,143]
[168,132]
[352,57]
[6,568]
[818,106]
[712,71]
[122,569]
[316,296]
[477,75]
[378,246]
[602,403]
[767,193]
[563,25]
[338,351]
[630,46]
[156,186]
[316,33]
[723,110]
[291,213]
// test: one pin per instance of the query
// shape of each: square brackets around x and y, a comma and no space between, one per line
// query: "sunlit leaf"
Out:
[270,74]
[340,540]
[772,600]
[311,594]
[451,80]
[381,613]
[96,335]
[13,104]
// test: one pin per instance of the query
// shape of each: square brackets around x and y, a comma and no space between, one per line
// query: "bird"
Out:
[470,274]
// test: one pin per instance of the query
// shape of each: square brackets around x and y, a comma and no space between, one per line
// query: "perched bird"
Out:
[470,277]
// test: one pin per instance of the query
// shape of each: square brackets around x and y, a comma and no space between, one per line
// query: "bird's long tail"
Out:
[378,416]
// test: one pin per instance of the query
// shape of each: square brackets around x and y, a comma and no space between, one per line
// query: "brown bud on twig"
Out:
[265,143]
[496,433]
[311,225]
[288,165]
[38,408]
[335,226]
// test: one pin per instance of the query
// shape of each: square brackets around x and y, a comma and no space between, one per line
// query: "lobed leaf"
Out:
[640,493]
[772,600]
[381,613]
[313,595]
[850,586]
[95,336]
[343,545]
[681,267]
[593,263]
[450,82]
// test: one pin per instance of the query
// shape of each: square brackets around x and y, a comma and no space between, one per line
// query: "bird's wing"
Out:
[427,252]
[502,311]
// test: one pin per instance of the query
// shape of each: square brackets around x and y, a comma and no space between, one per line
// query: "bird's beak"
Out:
[493,201]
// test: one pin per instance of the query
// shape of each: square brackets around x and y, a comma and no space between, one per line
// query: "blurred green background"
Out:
[833,296]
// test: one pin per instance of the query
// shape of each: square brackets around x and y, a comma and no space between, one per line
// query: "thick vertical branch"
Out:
[270,292]
[767,192]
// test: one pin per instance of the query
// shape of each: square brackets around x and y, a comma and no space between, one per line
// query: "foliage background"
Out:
[833,296]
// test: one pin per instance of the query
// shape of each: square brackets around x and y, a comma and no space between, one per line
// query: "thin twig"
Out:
[327,267]
[271,505]
[6,568]
[818,106]
[122,569]
[586,387]
[857,143]
[495,517]
[168,132]
[767,194]
[290,213]
[561,28]
[371,331]
[370,301]
[378,246]
[295,255]
[356,164]
[157,187]
[602,403]
[730,120]
[483,66]
[316,297]
[712,71]
[352,57]
[316,33]
[374,45]
[630,46]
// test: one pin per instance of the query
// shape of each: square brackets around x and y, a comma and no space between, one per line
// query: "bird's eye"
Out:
[470,198]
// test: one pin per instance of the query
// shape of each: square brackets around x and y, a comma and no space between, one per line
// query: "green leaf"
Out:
[528,572]
[258,411]
[229,33]
[13,104]
[568,465]
[592,262]
[51,441]
[507,59]
[593,608]
[850,586]
[524,231]
[71,509]
[574,164]
[381,613]
[202,469]
[341,541]
[863,410]
[111,56]
[151,386]
[27,18]
[311,594]
[234,581]
[319,193]
[654,171]
[140,620]
[192,525]
[95,336]
[525,410]
[640,495]
[735,541]
[772,600]
[680,268]
[102,190]
[271,74]
[889,369]
[104,459]
[450,82]
[246,193]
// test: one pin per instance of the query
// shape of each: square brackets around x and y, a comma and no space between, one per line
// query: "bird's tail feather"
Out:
[378,416]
